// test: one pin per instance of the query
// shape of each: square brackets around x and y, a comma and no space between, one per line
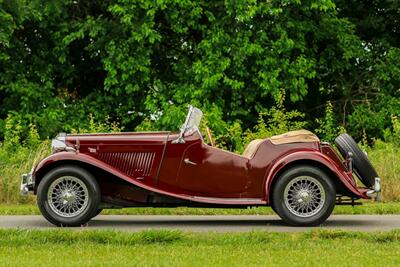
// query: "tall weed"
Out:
[393,135]
[19,152]
[276,120]
[385,158]
[328,128]
[94,126]
[18,157]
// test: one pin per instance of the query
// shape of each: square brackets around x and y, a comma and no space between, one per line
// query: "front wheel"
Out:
[68,196]
[304,196]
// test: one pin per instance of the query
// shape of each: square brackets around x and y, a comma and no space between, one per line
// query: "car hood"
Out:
[116,138]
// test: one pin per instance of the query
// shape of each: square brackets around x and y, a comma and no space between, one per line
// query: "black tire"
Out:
[97,212]
[361,164]
[273,207]
[86,212]
[318,181]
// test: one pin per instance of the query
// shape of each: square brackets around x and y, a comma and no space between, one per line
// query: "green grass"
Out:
[174,248]
[385,158]
[366,208]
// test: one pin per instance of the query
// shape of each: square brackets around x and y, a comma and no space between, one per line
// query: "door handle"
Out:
[187,161]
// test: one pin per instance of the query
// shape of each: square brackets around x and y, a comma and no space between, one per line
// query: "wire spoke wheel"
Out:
[304,196]
[68,196]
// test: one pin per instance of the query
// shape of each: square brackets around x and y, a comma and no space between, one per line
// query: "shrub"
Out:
[94,126]
[393,135]
[13,132]
[328,128]
[276,120]
[19,152]
[384,157]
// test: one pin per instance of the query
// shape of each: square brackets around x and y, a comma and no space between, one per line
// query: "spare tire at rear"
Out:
[361,164]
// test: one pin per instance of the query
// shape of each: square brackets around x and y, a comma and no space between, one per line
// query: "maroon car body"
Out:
[150,161]
[153,169]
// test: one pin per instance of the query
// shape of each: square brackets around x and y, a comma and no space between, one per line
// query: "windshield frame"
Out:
[192,123]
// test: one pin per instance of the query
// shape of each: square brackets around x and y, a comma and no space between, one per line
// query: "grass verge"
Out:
[385,159]
[174,248]
[366,208]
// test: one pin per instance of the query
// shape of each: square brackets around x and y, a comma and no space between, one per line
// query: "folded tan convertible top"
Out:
[299,136]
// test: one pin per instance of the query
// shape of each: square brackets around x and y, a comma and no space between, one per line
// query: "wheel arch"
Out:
[340,187]
[97,172]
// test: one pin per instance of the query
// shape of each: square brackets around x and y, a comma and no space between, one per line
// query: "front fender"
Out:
[310,157]
[57,159]
[53,160]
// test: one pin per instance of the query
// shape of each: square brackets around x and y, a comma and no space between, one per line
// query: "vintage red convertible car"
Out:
[300,177]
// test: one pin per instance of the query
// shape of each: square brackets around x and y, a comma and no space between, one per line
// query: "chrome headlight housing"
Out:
[58,143]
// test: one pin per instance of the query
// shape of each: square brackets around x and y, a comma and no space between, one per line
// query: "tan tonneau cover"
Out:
[300,136]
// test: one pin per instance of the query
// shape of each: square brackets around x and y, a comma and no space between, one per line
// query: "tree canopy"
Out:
[141,62]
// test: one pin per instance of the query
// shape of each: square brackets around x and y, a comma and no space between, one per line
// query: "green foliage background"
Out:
[139,63]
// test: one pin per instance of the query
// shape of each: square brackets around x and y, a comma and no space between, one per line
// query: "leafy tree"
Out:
[140,63]
[373,95]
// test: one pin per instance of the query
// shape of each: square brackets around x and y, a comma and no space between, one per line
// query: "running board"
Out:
[230,201]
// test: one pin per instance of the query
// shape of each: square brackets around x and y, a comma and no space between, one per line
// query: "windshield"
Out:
[191,124]
[193,119]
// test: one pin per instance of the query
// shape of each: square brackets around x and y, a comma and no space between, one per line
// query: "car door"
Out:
[212,172]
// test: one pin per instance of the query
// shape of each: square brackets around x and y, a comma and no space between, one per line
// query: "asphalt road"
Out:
[235,223]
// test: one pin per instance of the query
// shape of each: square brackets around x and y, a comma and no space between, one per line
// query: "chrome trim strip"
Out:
[228,199]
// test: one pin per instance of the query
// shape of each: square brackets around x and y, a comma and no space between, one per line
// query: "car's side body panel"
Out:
[266,157]
[70,158]
[193,171]
[207,172]
[212,172]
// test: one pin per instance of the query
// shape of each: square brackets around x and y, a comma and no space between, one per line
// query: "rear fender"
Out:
[310,157]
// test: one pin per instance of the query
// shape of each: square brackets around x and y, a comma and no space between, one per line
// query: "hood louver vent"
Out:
[133,164]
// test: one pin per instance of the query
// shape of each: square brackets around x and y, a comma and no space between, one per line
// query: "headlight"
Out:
[58,143]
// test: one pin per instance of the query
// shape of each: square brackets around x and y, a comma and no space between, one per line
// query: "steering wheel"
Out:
[209,135]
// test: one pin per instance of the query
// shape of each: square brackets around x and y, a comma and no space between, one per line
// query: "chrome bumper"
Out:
[376,192]
[27,184]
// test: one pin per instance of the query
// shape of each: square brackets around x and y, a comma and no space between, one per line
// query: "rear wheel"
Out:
[97,212]
[304,196]
[68,196]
